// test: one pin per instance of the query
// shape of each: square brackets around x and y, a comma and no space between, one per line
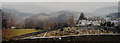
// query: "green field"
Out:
[9,33]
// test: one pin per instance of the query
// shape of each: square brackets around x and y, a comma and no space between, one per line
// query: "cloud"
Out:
[37,7]
[60,0]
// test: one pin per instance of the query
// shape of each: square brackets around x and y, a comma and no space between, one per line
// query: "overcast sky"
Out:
[59,0]
[37,7]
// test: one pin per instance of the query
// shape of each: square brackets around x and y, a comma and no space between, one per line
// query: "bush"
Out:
[37,28]
[19,28]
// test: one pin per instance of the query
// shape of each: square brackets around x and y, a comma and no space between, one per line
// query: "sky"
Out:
[0,5]
[48,7]
[59,0]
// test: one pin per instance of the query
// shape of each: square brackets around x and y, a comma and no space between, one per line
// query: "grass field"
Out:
[9,33]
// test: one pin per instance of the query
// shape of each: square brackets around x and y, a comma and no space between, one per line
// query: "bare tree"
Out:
[70,20]
[29,23]
[8,19]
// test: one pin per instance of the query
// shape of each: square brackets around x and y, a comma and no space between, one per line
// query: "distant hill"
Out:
[116,15]
[55,16]
[104,11]
[20,14]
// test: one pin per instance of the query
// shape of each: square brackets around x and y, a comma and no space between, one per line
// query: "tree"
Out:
[118,28]
[4,21]
[108,24]
[29,23]
[82,17]
[70,20]
[8,19]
